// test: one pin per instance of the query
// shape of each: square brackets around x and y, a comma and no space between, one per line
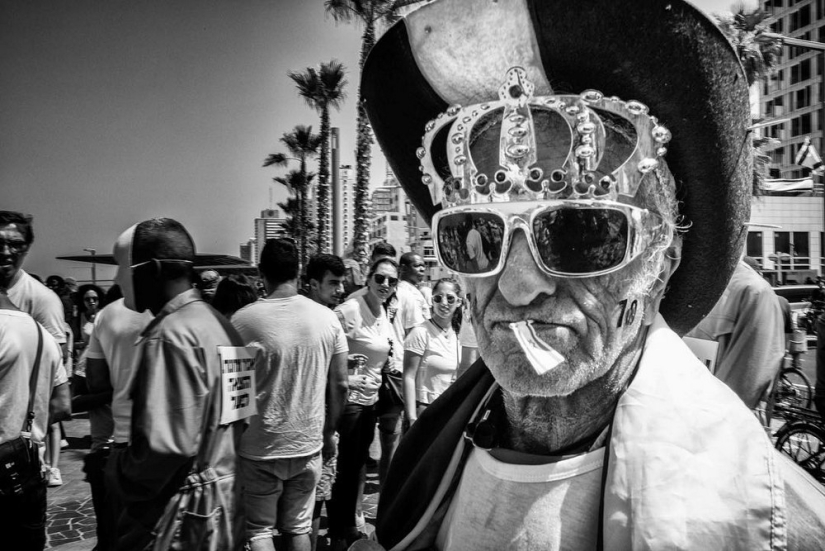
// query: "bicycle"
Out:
[802,438]
[791,387]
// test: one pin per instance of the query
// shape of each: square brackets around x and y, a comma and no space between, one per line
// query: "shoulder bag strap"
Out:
[29,420]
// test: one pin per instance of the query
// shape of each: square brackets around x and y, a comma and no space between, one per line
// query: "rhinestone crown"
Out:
[519,177]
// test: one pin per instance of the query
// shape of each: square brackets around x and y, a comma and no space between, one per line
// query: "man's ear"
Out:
[672,259]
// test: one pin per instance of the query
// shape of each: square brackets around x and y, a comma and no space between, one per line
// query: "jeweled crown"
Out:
[519,176]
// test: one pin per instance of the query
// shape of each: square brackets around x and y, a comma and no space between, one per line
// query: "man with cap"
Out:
[179,452]
[748,324]
[208,284]
[605,145]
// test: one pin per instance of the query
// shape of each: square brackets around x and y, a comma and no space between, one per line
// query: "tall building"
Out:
[795,91]
[268,226]
[786,232]
[389,215]
[247,251]
[347,183]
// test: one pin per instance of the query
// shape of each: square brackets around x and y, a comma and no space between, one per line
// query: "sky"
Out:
[115,111]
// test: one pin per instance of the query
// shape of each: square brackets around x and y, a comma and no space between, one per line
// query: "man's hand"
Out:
[330,446]
[362,383]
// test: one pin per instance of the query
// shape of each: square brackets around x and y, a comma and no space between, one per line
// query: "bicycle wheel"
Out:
[805,444]
[793,389]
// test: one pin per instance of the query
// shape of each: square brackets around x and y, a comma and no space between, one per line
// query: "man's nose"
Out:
[522,281]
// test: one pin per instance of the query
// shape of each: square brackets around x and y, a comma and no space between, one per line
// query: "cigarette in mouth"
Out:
[541,355]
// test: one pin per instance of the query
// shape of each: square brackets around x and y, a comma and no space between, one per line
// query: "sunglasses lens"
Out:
[581,241]
[470,243]
[380,278]
[438,299]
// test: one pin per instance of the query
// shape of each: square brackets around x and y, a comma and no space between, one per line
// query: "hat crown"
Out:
[521,174]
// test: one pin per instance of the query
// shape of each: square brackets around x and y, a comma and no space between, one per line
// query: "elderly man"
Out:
[181,460]
[587,424]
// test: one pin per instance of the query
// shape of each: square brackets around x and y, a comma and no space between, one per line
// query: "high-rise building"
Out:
[247,251]
[270,225]
[785,232]
[347,183]
[794,93]
[389,215]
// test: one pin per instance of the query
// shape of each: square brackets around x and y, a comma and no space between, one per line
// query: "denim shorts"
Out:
[279,493]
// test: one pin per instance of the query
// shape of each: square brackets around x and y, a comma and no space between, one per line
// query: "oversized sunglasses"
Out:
[567,238]
[450,299]
[379,279]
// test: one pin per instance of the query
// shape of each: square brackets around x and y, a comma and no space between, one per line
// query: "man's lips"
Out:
[562,337]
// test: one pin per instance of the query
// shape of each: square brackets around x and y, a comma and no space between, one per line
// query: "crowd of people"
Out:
[140,358]
[590,236]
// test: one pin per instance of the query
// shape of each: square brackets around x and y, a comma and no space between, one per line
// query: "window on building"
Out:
[754,246]
[805,16]
[792,250]
[394,218]
[801,72]
[429,251]
[803,97]
[821,253]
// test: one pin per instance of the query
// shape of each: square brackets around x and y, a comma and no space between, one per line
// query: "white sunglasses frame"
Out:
[644,228]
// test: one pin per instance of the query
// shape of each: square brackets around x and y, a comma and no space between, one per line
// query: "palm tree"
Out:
[368,12]
[301,144]
[292,226]
[758,50]
[322,89]
[295,208]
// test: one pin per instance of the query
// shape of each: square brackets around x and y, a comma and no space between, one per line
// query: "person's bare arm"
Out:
[60,407]
[99,386]
[412,360]
[337,389]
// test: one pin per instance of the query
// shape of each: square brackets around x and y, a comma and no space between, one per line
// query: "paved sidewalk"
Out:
[70,521]
[70,518]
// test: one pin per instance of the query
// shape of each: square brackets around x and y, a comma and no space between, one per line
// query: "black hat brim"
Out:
[666,54]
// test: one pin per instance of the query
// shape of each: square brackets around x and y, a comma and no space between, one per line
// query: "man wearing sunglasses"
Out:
[573,138]
[177,404]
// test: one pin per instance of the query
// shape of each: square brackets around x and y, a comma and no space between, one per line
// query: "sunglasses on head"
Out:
[379,279]
[567,238]
[451,299]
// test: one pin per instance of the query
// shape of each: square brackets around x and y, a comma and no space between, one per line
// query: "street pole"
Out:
[94,265]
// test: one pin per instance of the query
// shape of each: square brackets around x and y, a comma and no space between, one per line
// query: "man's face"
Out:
[329,290]
[591,322]
[13,250]
[415,270]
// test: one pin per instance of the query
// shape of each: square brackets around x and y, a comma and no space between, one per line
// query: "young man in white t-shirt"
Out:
[23,517]
[301,388]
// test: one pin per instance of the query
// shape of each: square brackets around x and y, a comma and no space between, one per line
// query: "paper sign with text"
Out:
[237,383]
[705,350]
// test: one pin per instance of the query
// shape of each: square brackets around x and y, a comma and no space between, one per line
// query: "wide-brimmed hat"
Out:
[667,55]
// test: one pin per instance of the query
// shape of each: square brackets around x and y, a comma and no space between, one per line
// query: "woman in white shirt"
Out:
[369,333]
[431,350]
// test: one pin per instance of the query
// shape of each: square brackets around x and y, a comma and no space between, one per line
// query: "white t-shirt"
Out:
[439,359]
[18,350]
[368,335]
[475,248]
[501,505]
[41,303]
[298,338]
[116,330]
